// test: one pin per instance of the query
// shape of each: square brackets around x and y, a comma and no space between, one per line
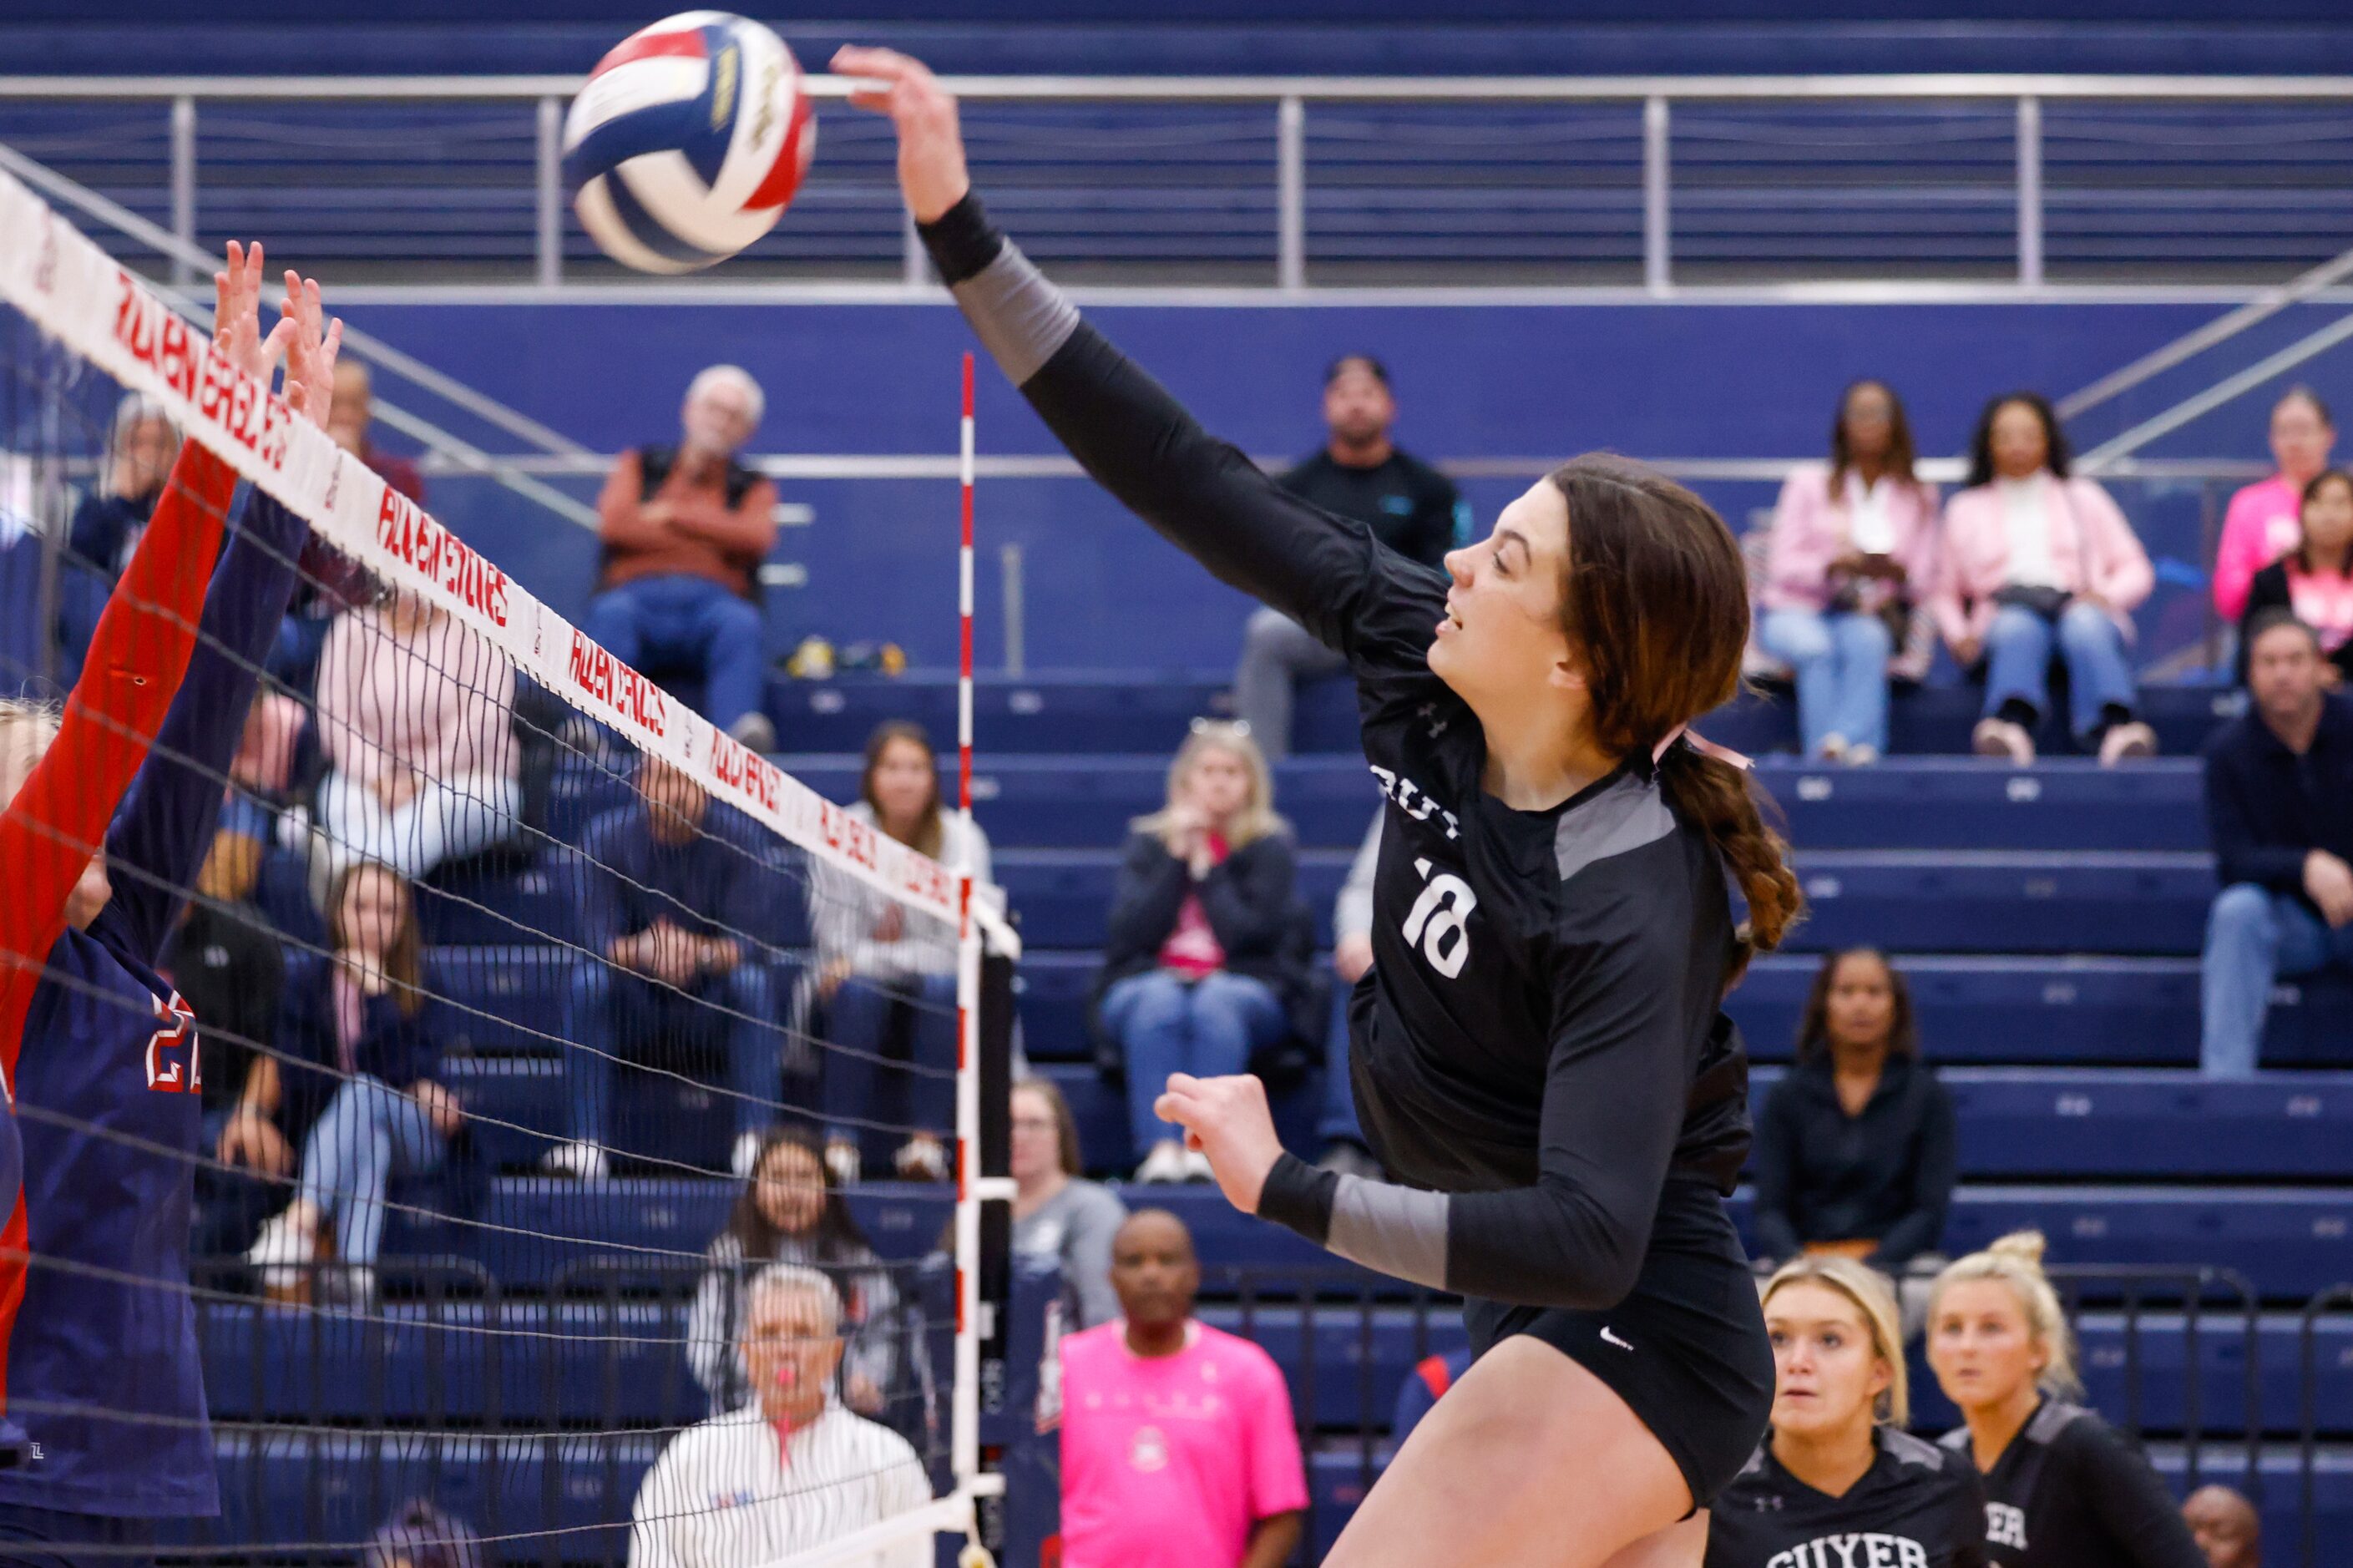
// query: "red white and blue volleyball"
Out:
[688,141]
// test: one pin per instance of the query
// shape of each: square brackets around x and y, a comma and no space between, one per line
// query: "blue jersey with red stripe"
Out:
[102,1367]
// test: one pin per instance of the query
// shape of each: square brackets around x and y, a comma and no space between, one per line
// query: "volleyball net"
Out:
[589,1140]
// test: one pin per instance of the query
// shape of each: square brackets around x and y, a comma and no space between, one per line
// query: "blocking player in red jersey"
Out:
[98,1354]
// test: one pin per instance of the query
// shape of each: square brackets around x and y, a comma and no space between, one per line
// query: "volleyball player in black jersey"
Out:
[1539,1049]
[2062,1490]
[1838,1483]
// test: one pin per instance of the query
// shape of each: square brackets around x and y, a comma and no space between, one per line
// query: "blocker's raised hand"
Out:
[931,174]
[236,315]
[1228,1119]
[310,350]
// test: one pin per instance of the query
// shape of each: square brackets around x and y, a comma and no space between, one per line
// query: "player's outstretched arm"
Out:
[1124,428]
[156,844]
[137,660]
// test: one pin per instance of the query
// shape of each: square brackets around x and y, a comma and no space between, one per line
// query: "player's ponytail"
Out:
[1656,601]
[1715,796]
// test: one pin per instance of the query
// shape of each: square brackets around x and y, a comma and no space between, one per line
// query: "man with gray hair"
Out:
[685,528]
[792,1470]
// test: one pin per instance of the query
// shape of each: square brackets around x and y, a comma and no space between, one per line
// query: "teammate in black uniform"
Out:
[1838,1481]
[2062,1490]
[1538,1047]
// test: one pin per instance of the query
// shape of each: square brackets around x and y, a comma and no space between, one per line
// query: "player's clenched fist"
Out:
[1226,1119]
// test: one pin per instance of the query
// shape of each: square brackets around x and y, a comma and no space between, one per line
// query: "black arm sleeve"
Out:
[1933,1175]
[1204,496]
[1613,1105]
[1775,1159]
[2132,1506]
[1247,898]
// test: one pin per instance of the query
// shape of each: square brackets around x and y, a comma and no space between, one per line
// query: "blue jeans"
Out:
[1165,1024]
[369,1133]
[689,622]
[1840,661]
[869,1095]
[2255,936]
[2017,663]
[1338,1118]
[606,1011]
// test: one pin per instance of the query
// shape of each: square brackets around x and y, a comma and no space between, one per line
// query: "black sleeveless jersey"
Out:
[1918,1506]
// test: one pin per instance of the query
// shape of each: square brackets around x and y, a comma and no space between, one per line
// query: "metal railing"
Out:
[2019,107]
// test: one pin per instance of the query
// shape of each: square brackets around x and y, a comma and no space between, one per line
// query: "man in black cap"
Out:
[1410,505]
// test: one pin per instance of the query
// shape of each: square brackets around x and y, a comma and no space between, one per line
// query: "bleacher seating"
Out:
[2049,921]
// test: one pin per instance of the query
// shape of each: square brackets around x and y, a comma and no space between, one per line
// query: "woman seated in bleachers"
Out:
[2034,558]
[354,1034]
[2264,522]
[416,719]
[1199,971]
[1853,548]
[1855,1146]
[1057,1212]
[886,976]
[2314,581]
[791,1211]
[142,445]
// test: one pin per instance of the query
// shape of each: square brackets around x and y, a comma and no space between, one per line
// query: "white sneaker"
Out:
[283,1252]
[1862,754]
[747,1151]
[1165,1165]
[1197,1167]
[842,1159]
[1833,749]
[2001,737]
[755,731]
[2126,741]
[583,1160]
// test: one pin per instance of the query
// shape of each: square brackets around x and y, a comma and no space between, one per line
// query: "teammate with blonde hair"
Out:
[1838,1479]
[2063,1490]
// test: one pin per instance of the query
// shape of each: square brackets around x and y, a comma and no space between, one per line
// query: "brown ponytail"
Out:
[1655,600]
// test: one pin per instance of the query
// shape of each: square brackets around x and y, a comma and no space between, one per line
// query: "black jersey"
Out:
[2068,1493]
[1538,1047]
[1918,1506]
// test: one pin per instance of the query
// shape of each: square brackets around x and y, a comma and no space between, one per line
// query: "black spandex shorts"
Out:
[1686,1351]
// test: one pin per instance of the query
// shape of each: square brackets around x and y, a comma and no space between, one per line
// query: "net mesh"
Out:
[482,1100]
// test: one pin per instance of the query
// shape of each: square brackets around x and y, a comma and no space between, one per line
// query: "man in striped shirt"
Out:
[792,1470]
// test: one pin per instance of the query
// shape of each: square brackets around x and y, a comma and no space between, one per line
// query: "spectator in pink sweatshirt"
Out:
[415,716]
[2033,558]
[1854,546]
[2263,523]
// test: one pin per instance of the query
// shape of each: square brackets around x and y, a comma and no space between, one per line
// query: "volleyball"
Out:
[688,141]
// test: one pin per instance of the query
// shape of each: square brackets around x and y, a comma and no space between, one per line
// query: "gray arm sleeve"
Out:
[1398,1231]
[1019,317]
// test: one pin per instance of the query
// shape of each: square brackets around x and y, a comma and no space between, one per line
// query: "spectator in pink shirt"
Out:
[2314,581]
[2262,524]
[2032,558]
[1854,545]
[1179,1450]
[416,719]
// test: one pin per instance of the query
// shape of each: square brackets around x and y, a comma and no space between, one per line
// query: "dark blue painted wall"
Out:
[1680,381]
